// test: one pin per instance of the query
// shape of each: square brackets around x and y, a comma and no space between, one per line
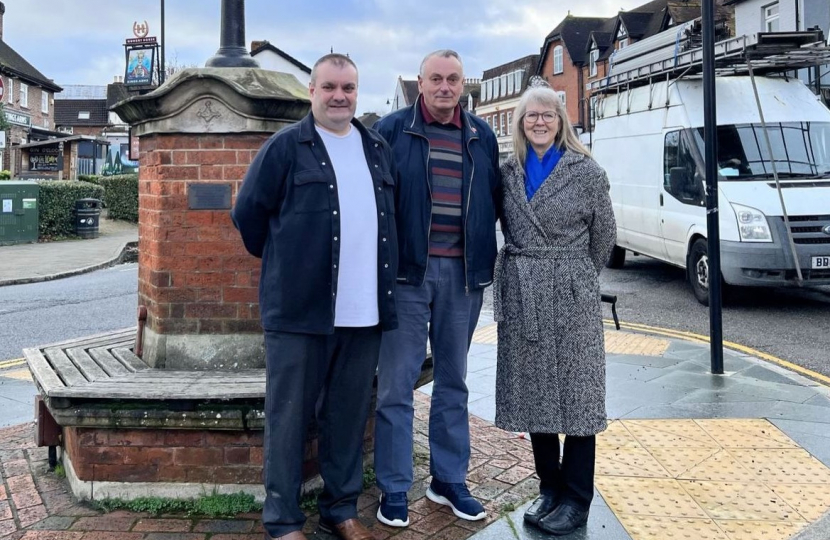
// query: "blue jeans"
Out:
[444,312]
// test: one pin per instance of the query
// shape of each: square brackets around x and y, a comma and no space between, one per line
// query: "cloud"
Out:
[81,41]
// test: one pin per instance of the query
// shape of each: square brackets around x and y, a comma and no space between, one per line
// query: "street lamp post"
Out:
[710,137]
[232,51]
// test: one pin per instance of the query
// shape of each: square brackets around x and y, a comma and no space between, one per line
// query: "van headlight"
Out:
[752,224]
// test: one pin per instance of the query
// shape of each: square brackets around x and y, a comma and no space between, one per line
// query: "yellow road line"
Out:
[699,338]
[12,363]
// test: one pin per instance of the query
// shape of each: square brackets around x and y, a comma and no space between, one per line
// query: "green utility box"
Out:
[19,202]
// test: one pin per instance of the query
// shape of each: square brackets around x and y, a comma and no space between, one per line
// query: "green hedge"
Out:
[5,175]
[91,178]
[57,204]
[121,196]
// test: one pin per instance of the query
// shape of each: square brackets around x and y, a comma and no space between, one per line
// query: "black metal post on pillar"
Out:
[162,68]
[232,51]
[710,136]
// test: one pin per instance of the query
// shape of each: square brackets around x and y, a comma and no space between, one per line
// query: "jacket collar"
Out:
[308,130]
[415,121]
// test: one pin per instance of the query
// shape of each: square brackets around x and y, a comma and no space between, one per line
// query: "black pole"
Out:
[710,136]
[162,69]
[232,51]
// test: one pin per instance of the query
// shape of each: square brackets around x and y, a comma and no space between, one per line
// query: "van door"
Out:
[682,197]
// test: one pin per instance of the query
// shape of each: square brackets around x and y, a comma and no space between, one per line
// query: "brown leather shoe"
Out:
[293,535]
[351,529]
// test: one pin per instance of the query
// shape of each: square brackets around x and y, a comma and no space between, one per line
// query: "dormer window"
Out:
[83,115]
[622,37]
[594,58]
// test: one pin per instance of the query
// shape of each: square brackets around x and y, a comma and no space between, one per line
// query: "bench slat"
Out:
[86,365]
[108,362]
[129,359]
[122,389]
[224,377]
[94,340]
[64,367]
[45,376]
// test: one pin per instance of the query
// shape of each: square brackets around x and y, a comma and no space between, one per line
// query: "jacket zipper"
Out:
[429,187]
[466,216]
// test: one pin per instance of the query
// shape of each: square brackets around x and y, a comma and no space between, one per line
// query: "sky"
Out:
[81,41]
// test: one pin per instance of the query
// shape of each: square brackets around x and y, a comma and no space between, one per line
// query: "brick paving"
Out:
[37,505]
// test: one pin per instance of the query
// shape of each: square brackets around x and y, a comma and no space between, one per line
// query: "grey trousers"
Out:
[329,377]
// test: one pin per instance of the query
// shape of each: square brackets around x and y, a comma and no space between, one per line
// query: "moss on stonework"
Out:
[214,505]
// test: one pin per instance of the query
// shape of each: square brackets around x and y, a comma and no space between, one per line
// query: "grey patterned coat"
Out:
[551,356]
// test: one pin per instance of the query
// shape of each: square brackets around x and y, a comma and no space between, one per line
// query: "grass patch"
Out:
[213,505]
[60,472]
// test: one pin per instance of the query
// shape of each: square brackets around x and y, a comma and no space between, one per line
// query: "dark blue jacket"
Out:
[480,197]
[287,212]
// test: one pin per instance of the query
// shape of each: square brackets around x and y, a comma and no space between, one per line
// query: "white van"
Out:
[650,141]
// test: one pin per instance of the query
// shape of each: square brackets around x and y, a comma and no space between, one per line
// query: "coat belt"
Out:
[523,258]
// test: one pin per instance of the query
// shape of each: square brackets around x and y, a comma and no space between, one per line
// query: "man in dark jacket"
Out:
[317,205]
[446,211]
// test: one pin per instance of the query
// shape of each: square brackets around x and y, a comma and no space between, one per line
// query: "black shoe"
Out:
[564,520]
[542,506]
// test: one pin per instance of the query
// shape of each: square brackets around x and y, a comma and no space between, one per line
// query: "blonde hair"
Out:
[566,137]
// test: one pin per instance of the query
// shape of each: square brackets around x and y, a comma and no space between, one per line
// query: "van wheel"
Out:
[698,271]
[617,258]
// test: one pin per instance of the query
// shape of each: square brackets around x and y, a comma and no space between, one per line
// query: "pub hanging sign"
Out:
[141,54]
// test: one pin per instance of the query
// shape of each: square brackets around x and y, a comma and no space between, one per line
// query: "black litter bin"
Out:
[87,215]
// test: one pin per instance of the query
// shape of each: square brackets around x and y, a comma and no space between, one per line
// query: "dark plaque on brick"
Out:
[209,196]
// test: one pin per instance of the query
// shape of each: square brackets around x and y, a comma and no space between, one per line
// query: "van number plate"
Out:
[821,263]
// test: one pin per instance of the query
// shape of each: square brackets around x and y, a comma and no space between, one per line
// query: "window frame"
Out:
[24,95]
[502,130]
[558,60]
[593,56]
[44,102]
[10,92]
[510,122]
[774,18]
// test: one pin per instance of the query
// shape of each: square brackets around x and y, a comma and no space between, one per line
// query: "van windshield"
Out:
[800,149]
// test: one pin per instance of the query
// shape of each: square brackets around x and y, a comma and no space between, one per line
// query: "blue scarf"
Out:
[537,170]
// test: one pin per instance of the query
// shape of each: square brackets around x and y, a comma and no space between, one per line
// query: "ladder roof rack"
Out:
[769,52]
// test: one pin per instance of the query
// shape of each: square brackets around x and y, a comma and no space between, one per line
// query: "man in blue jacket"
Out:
[317,205]
[446,212]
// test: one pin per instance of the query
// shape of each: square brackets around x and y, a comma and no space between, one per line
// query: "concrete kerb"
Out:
[122,257]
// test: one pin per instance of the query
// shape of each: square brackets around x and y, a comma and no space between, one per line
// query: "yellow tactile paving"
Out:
[794,466]
[616,435]
[18,374]
[616,342]
[748,433]
[760,530]
[810,500]
[670,433]
[662,528]
[629,461]
[661,497]
[625,343]
[726,480]
[734,500]
[702,464]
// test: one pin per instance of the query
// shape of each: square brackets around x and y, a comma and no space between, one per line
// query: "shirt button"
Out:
[382,214]
[376,145]
[376,165]
[384,239]
[331,186]
[335,239]
[335,212]
[389,293]
[334,294]
[380,188]
[335,267]
[386,265]
[324,164]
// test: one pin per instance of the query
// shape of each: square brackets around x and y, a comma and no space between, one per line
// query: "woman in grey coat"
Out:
[559,229]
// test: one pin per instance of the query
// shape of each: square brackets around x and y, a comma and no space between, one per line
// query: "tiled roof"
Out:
[529,64]
[259,46]
[116,93]
[14,64]
[410,91]
[574,33]
[66,112]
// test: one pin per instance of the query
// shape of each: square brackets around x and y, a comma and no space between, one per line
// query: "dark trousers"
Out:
[573,479]
[329,377]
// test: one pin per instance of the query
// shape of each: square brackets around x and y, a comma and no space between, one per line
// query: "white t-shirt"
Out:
[356,303]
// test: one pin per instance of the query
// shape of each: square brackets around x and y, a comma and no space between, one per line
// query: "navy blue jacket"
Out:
[287,212]
[480,197]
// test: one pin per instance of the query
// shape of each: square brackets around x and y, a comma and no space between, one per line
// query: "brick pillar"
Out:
[198,133]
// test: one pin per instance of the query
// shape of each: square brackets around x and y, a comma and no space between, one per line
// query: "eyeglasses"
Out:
[532,117]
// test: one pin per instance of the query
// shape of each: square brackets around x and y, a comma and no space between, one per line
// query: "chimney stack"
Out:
[2,11]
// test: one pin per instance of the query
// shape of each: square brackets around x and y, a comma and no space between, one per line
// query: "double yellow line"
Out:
[12,363]
[699,338]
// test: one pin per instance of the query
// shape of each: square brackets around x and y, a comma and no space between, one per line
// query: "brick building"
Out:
[579,49]
[501,89]
[82,110]
[407,92]
[28,99]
